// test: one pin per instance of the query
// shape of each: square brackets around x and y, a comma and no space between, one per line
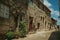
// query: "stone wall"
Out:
[39,16]
[4,25]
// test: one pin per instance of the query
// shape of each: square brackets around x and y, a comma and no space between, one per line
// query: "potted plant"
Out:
[9,35]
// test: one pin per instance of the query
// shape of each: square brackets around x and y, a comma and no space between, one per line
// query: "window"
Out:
[45,23]
[41,18]
[30,2]
[4,11]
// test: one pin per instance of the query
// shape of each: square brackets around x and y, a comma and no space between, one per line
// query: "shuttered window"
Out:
[4,11]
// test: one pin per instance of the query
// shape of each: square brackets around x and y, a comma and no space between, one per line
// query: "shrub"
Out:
[10,35]
[22,31]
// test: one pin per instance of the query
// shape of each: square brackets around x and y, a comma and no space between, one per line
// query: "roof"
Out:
[38,2]
[53,20]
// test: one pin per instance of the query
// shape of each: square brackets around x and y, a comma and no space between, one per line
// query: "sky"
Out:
[53,6]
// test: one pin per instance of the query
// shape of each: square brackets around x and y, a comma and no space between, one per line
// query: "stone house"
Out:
[39,14]
[54,25]
[34,13]
[58,27]
[11,13]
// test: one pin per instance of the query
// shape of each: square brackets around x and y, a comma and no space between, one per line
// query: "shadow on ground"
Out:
[55,36]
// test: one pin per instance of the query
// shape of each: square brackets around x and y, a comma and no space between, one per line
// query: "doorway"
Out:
[38,25]
[31,23]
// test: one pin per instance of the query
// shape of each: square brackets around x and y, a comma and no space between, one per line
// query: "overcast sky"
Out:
[53,6]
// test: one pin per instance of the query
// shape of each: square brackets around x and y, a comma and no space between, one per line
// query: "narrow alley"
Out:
[43,35]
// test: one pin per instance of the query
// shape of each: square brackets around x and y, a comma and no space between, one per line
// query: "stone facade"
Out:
[17,12]
[34,13]
[41,17]
[54,25]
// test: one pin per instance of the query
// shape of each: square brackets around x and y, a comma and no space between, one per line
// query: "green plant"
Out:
[22,31]
[10,35]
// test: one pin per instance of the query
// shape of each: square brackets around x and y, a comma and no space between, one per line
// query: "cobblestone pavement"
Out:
[42,35]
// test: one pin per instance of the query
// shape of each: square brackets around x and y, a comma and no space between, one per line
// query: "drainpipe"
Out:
[17,29]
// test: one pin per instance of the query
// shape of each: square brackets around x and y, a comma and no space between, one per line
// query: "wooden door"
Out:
[31,23]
